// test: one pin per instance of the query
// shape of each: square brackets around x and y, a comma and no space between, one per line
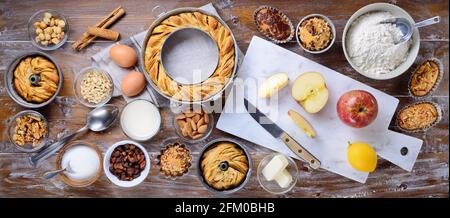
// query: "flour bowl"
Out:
[396,12]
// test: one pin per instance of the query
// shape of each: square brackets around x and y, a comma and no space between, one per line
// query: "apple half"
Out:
[310,91]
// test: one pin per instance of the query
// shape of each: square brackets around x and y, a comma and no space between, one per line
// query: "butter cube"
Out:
[284,178]
[274,167]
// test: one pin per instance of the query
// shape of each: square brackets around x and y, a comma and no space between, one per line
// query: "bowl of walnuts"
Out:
[48,29]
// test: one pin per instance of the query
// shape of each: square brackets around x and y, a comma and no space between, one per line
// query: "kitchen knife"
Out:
[277,132]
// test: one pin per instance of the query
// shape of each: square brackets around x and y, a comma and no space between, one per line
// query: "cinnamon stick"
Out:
[103,33]
[87,38]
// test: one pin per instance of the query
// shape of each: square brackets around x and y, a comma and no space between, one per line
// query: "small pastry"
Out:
[274,24]
[425,78]
[224,166]
[419,116]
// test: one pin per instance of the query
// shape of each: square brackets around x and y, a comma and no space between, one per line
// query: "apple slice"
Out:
[302,123]
[310,91]
[272,84]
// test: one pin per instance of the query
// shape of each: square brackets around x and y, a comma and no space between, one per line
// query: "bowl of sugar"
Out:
[83,163]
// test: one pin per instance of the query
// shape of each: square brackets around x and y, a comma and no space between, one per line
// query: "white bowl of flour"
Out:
[370,47]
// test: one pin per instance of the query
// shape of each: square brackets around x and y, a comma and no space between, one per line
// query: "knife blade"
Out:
[277,132]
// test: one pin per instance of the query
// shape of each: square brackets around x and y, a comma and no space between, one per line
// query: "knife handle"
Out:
[300,151]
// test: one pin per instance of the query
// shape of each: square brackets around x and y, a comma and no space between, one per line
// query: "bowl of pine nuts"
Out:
[48,29]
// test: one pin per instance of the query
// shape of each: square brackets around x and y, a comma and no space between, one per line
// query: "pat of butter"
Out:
[274,167]
[284,178]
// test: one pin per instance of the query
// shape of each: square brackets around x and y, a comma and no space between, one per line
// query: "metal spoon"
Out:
[53,173]
[97,120]
[407,28]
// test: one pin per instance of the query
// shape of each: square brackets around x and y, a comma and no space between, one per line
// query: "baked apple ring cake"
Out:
[190,92]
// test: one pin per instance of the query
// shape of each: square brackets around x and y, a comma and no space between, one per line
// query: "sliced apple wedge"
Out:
[273,84]
[302,123]
[310,91]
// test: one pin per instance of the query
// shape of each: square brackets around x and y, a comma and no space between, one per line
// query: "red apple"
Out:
[357,108]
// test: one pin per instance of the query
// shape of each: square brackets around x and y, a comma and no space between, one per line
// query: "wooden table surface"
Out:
[429,177]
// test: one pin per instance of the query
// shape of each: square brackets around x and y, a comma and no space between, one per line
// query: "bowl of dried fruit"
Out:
[193,125]
[93,87]
[126,163]
[28,131]
[174,160]
[48,29]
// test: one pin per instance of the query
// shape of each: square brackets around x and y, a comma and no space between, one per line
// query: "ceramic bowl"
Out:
[117,181]
[397,12]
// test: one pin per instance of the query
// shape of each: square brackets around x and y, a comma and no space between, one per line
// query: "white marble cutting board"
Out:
[264,58]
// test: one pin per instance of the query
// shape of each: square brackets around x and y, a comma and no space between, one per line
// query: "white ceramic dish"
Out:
[114,178]
[333,31]
[398,12]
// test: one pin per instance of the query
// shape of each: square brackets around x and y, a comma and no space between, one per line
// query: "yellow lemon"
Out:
[362,156]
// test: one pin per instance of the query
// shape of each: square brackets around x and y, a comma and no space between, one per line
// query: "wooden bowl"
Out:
[79,183]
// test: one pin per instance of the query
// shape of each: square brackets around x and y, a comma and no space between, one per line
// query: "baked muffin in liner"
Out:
[183,152]
[283,18]
[436,83]
[409,114]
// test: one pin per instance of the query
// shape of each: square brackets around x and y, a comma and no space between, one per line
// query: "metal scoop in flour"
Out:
[407,28]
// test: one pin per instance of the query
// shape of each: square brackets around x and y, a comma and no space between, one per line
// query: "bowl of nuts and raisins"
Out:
[48,29]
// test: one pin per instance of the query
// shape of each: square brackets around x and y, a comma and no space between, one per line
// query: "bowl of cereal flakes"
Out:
[93,87]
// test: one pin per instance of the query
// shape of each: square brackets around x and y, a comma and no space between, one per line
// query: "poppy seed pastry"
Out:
[191,92]
[224,166]
[36,79]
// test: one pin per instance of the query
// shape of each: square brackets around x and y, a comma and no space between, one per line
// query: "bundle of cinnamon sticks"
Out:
[100,30]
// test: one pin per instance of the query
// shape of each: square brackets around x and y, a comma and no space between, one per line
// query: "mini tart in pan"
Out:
[273,24]
[426,77]
[174,160]
[419,116]
[315,34]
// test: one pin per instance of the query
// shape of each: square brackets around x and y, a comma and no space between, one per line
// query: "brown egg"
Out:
[133,83]
[123,55]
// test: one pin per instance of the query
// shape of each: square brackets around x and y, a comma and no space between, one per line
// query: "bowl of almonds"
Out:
[193,125]
[48,29]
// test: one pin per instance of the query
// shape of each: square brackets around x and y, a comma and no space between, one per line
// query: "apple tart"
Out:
[36,79]
[190,92]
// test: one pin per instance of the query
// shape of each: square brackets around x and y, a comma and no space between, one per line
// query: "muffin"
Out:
[425,78]
[419,116]
[224,166]
[315,34]
[274,24]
